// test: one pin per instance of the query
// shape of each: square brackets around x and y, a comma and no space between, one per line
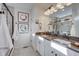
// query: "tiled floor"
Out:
[4,51]
[24,52]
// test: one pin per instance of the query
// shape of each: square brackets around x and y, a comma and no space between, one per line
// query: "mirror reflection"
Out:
[63,21]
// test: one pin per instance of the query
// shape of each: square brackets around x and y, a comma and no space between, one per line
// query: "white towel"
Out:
[3,42]
[5,30]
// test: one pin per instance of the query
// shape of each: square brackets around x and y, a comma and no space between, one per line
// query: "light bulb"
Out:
[46,13]
[67,4]
[53,9]
[59,6]
[51,12]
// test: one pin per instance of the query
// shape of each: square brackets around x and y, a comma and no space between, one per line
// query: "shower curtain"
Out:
[5,38]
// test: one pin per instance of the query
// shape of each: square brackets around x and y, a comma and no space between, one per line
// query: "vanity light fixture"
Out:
[68,4]
[47,12]
[55,8]
[59,6]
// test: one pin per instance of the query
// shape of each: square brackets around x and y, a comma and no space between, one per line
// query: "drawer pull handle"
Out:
[52,52]
[55,54]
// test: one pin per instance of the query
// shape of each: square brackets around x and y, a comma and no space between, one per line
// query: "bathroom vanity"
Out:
[54,45]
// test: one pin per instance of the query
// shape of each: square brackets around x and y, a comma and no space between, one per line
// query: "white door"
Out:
[58,53]
[72,53]
[22,40]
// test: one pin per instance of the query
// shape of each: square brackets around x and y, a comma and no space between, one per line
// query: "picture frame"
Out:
[23,28]
[23,17]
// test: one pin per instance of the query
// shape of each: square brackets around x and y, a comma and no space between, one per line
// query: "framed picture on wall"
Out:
[23,17]
[23,28]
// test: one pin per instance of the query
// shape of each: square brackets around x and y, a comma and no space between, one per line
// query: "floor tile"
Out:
[26,51]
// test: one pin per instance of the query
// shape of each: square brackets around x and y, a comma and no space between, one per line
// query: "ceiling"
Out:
[29,5]
[21,5]
[64,12]
[44,6]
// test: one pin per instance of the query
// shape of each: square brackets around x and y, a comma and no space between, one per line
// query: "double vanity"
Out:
[55,45]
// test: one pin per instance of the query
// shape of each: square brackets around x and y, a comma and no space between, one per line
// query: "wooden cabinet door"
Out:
[72,53]
[41,47]
[58,53]
[37,43]
[33,38]
[48,50]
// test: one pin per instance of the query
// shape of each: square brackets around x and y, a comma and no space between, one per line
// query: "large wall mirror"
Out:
[64,25]
[63,21]
[67,21]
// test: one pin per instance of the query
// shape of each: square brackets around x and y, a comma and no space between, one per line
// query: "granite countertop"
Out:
[61,37]
[51,37]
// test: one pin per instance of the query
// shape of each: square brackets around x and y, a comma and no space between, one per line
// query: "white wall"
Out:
[38,14]
[75,13]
